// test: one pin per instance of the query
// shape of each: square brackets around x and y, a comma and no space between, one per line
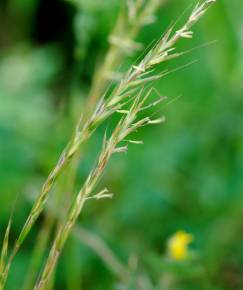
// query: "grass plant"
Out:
[128,98]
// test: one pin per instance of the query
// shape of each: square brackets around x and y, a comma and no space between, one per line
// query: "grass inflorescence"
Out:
[128,98]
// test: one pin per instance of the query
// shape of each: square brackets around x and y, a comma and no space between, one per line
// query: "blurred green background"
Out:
[187,176]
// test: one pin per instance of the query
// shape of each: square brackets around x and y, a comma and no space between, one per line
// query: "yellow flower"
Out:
[178,245]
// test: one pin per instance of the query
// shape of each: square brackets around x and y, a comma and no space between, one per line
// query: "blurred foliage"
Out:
[188,175]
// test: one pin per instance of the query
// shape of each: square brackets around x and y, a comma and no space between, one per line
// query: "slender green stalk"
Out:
[103,251]
[4,252]
[38,252]
[136,77]
[64,186]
